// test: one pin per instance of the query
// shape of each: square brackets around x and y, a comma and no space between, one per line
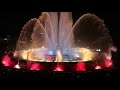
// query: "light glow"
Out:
[87,55]
[98,67]
[6,61]
[80,66]
[35,66]
[108,63]
[17,66]
[59,68]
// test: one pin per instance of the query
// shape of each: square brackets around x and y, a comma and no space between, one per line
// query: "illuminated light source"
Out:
[17,66]
[108,62]
[49,57]
[6,61]
[59,57]
[5,52]
[5,38]
[98,67]
[59,68]
[64,52]
[35,66]
[108,57]
[43,47]
[76,55]
[50,53]
[65,49]
[80,66]
[90,58]
[98,50]
[86,54]
[24,54]
[75,50]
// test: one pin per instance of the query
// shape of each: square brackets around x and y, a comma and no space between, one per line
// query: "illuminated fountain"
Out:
[54,37]
[52,33]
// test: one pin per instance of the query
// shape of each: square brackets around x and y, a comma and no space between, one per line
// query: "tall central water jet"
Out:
[57,26]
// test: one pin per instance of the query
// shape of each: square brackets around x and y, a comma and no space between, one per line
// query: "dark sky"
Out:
[13,18]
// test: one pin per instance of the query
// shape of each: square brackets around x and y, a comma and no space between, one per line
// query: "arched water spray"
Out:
[71,31]
[25,35]
[92,32]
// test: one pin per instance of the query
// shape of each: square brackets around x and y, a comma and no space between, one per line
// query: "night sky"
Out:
[13,18]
